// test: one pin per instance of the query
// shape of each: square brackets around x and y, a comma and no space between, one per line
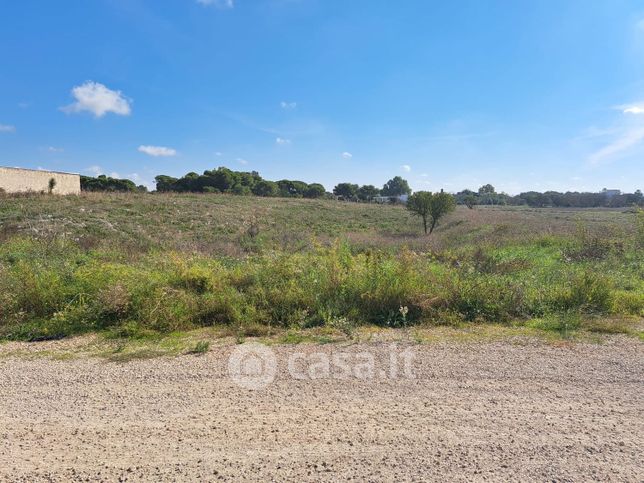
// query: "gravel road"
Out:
[502,411]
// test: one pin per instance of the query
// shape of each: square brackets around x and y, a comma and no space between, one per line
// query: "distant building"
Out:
[611,193]
[390,199]
[19,180]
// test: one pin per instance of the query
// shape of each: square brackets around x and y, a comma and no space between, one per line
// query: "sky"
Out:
[523,94]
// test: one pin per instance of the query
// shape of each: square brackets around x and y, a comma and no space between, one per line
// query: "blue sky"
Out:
[521,94]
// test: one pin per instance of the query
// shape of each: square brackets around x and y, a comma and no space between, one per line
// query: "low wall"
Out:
[17,180]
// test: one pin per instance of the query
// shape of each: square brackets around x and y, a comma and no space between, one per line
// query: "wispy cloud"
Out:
[629,139]
[53,149]
[286,105]
[347,155]
[282,142]
[406,168]
[242,161]
[217,3]
[632,108]
[157,151]
[99,100]
[626,135]
[7,128]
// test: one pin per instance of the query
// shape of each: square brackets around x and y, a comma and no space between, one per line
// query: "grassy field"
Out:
[137,265]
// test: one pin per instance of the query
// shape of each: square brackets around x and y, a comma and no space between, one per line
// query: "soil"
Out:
[502,411]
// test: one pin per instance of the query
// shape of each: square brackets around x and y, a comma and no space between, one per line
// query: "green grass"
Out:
[132,266]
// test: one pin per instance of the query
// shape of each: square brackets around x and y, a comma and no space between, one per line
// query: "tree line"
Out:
[396,186]
[106,183]
[487,195]
[224,180]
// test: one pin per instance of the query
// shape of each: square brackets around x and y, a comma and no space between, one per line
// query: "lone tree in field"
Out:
[431,207]
[51,185]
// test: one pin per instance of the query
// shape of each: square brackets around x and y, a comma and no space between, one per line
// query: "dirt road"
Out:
[484,411]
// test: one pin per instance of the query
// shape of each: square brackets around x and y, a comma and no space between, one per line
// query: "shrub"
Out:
[586,291]
[52,288]
[200,347]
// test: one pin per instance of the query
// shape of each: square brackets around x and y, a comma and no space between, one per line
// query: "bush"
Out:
[586,291]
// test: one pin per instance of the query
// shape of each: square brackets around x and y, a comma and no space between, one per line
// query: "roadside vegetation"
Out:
[138,265]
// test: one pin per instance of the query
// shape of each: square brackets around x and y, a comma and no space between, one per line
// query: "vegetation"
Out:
[51,185]
[396,187]
[224,180]
[431,207]
[105,183]
[487,195]
[131,265]
[346,190]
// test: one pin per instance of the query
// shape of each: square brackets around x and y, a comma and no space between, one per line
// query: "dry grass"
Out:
[219,224]
[136,265]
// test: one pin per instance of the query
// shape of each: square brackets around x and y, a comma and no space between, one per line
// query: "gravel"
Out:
[472,412]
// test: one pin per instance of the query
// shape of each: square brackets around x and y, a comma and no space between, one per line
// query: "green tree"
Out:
[291,188]
[487,189]
[266,188]
[346,190]
[396,187]
[105,183]
[165,183]
[470,201]
[51,185]
[366,192]
[431,207]
[314,190]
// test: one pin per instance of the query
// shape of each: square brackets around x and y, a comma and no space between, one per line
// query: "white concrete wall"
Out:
[17,180]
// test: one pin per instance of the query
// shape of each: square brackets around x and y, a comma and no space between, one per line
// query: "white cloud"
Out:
[242,161]
[406,168]
[219,153]
[282,141]
[218,3]
[424,175]
[288,105]
[629,139]
[157,151]
[347,155]
[633,110]
[114,174]
[95,170]
[7,128]
[99,100]
[53,149]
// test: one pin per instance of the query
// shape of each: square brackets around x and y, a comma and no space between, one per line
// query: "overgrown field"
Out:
[131,265]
